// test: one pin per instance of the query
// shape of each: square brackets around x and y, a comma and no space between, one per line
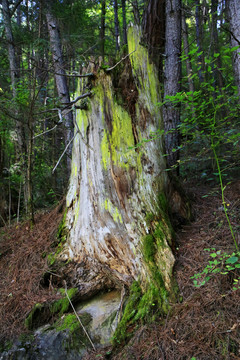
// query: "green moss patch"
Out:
[34,318]
[71,323]
[62,305]
[149,248]
[76,338]
[129,314]
[42,313]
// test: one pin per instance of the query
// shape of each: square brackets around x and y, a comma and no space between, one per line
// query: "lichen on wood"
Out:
[117,212]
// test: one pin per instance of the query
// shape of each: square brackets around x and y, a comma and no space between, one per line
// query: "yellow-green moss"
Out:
[148,81]
[62,305]
[129,313]
[113,210]
[149,248]
[105,150]
[76,337]
[82,120]
[115,143]
[71,323]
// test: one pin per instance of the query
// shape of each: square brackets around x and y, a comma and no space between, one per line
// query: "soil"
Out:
[204,324]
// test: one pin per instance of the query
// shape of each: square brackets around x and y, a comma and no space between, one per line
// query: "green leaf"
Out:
[232,260]
[235,48]
[213,255]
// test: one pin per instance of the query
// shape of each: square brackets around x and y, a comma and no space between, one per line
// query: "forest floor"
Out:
[203,325]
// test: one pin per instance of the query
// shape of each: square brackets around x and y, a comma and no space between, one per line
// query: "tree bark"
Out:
[186,53]
[60,75]
[14,71]
[124,22]
[233,14]
[116,26]
[136,12]
[198,38]
[102,29]
[116,203]
[215,45]
[153,26]
[172,76]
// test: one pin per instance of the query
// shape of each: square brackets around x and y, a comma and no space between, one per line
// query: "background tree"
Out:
[234,21]
[172,77]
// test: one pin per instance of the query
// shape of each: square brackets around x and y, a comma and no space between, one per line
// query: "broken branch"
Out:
[111,68]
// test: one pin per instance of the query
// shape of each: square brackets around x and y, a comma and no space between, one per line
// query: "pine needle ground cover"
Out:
[204,324]
[23,261]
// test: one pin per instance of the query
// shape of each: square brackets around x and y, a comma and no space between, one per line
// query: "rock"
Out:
[66,339]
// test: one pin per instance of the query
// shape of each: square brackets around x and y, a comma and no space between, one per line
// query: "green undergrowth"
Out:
[42,313]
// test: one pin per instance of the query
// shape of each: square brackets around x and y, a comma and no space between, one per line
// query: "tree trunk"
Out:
[124,22]
[14,71]
[102,29]
[215,45]
[233,13]
[117,212]
[172,76]
[186,53]
[136,13]
[198,38]
[60,76]
[153,26]
[116,26]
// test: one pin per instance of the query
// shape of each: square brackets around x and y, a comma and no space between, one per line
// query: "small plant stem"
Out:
[213,146]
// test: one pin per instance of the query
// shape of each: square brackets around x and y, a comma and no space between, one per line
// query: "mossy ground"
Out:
[62,305]
[76,338]
[42,313]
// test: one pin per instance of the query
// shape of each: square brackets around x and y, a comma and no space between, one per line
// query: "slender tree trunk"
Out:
[124,22]
[233,14]
[116,24]
[13,67]
[198,37]
[215,45]
[29,184]
[11,47]
[60,78]
[102,29]
[186,53]
[172,76]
